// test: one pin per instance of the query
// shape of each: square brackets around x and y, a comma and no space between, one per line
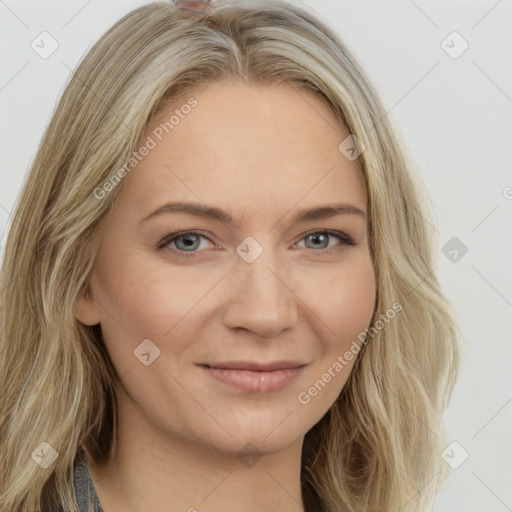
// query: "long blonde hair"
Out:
[378,447]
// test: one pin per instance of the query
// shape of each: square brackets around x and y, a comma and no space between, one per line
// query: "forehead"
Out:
[246,147]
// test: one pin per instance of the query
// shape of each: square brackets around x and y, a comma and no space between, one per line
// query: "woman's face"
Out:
[235,336]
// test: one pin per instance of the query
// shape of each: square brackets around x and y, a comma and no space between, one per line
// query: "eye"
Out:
[187,243]
[322,237]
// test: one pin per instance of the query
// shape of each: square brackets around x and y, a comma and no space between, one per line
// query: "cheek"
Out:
[350,309]
[347,306]
[136,305]
[143,300]
[343,298]
[149,299]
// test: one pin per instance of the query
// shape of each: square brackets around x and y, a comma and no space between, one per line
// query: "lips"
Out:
[255,366]
[254,377]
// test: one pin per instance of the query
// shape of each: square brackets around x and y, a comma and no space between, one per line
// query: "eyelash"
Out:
[166,241]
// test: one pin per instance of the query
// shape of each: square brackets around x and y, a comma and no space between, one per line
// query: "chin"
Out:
[253,444]
[257,432]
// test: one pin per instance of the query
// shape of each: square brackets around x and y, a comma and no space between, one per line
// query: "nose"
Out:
[260,299]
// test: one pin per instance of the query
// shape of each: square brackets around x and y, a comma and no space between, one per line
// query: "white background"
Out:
[455,116]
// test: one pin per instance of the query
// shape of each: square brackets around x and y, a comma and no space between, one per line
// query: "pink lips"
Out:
[254,377]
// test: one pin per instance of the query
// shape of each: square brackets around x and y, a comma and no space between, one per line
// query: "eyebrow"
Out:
[313,214]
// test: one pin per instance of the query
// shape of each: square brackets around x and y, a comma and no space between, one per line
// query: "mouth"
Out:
[254,377]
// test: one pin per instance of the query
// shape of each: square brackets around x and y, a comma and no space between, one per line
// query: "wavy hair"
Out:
[378,447]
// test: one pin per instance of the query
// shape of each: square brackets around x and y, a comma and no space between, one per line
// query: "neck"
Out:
[162,473]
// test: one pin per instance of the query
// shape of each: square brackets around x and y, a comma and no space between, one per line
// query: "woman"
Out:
[172,339]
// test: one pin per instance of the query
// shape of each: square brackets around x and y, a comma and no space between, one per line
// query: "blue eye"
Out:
[186,243]
[190,241]
[324,235]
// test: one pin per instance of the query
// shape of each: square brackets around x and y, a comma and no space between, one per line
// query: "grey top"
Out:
[84,488]
[85,492]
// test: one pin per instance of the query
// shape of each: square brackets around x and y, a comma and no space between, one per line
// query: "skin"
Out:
[186,440]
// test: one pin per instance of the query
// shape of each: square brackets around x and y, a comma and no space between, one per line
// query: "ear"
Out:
[87,310]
